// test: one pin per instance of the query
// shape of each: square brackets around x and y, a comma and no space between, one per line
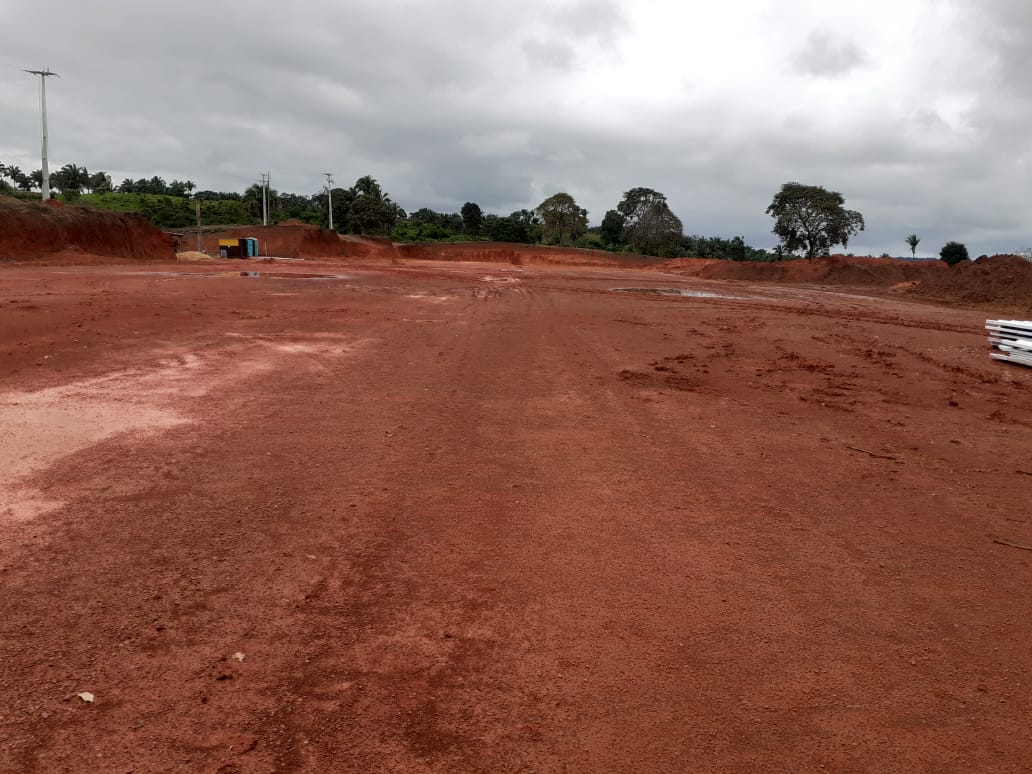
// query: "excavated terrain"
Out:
[448,517]
[59,233]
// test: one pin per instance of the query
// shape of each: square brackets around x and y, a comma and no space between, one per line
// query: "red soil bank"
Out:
[293,239]
[33,231]
[833,270]
[504,252]
[1001,278]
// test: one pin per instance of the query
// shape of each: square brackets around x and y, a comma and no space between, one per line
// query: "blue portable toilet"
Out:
[252,247]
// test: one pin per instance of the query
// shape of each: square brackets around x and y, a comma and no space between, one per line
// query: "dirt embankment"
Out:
[1000,279]
[997,279]
[833,270]
[293,239]
[58,233]
[505,252]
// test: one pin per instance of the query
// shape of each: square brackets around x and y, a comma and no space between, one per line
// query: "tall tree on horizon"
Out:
[562,220]
[472,219]
[812,218]
[650,226]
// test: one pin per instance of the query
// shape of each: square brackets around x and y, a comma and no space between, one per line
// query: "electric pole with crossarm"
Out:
[43,75]
[329,195]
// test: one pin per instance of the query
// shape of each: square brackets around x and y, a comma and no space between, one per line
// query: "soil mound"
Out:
[503,252]
[192,256]
[998,279]
[34,231]
[302,240]
[831,270]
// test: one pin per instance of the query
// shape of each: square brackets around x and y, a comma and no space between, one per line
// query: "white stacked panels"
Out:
[1012,340]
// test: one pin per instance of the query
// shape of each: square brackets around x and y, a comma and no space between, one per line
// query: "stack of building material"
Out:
[1012,340]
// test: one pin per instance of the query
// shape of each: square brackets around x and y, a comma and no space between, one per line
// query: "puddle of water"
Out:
[680,292]
[294,275]
[260,274]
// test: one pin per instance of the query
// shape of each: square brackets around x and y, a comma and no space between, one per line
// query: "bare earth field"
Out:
[468,517]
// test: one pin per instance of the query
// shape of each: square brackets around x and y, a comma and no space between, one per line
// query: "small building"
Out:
[238,248]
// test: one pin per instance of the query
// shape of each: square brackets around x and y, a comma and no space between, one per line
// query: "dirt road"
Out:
[479,518]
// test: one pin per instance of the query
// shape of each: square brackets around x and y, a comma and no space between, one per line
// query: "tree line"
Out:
[808,220]
[641,223]
[73,180]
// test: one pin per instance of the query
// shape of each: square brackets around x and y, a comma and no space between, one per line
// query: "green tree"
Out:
[526,226]
[612,229]
[180,187]
[472,219]
[370,210]
[650,227]
[70,180]
[562,221]
[812,219]
[913,241]
[100,182]
[521,226]
[253,197]
[953,253]
[425,215]
[341,201]
[19,178]
[734,249]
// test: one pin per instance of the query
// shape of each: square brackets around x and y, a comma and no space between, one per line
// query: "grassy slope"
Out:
[170,211]
[121,202]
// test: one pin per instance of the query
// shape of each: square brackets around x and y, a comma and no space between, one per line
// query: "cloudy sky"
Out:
[918,111]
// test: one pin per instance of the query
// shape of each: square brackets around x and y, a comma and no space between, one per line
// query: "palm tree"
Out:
[71,178]
[367,186]
[100,182]
[253,200]
[371,211]
[913,241]
[18,177]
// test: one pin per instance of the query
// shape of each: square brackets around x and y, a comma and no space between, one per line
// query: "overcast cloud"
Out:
[918,111]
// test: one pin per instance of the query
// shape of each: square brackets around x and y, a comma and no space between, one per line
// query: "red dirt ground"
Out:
[462,517]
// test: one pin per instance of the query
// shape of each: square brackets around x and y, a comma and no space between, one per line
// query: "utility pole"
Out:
[43,75]
[265,198]
[329,195]
[200,246]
